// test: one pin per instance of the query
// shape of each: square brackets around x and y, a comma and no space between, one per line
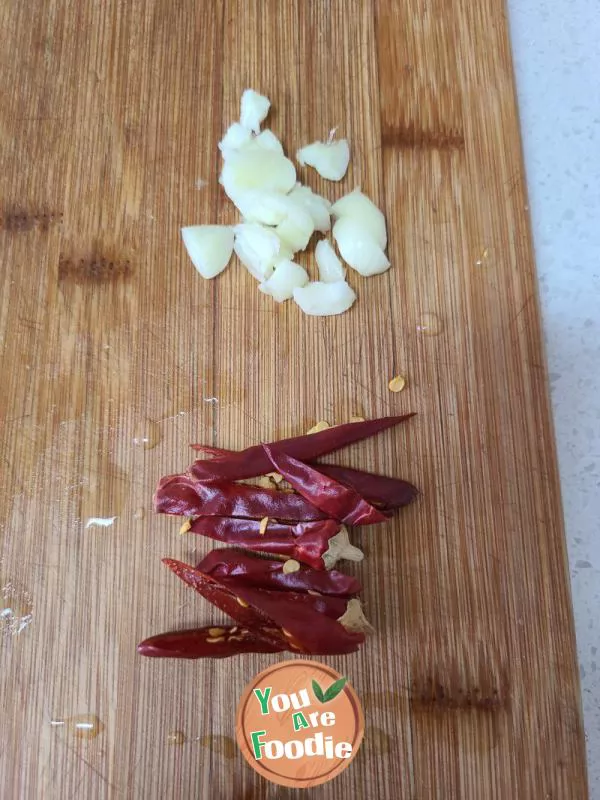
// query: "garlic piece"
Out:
[236,136]
[358,248]
[287,277]
[209,247]
[358,207]
[266,140]
[296,228]
[257,248]
[340,548]
[257,169]
[330,159]
[330,267]
[353,618]
[325,299]
[318,207]
[254,107]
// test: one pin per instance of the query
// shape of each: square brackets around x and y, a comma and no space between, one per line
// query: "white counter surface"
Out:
[556,45]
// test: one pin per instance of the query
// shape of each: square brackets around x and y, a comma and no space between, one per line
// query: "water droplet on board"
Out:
[176,737]
[16,609]
[82,726]
[146,434]
[378,739]
[139,513]
[223,745]
[429,324]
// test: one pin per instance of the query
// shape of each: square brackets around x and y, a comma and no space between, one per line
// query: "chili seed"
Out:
[213,639]
[291,565]
[320,426]
[216,631]
[243,603]
[275,476]
[263,526]
[185,527]
[397,384]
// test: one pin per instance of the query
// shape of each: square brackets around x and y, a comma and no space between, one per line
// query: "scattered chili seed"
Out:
[243,603]
[357,419]
[397,384]
[213,639]
[291,565]
[320,426]
[263,526]
[185,527]
[287,633]
[316,594]
[265,482]
[217,631]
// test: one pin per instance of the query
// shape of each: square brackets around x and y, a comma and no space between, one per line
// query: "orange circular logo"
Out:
[299,723]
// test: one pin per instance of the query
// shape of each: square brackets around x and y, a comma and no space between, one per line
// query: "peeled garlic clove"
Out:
[325,299]
[254,108]
[330,159]
[257,169]
[358,248]
[318,207]
[296,228]
[359,207]
[330,267]
[257,248]
[287,277]
[236,137]
[209,247]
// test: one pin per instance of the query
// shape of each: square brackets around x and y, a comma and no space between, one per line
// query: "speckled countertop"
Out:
[557,58]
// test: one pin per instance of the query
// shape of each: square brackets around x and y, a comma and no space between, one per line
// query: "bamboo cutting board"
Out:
[115,355]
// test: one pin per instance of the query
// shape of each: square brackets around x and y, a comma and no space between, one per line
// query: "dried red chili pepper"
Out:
[208,642]
[183,495]
[386,493]
[333,498]
[299,618]
[306,541]
[253,461]
[268,574]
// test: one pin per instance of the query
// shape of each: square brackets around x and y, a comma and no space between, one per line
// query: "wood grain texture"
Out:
[111,112]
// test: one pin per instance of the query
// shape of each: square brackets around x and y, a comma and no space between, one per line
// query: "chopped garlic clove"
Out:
[340,548]
[318,207]
[257,248]
[287,277]
[254,108]
[257,169]
[297,227]
[358,207]
[236,137]
[325,299]
[267,141]
[264,206]
[209,247]
[358,248]
[330,267]
[353,618]
[330,159]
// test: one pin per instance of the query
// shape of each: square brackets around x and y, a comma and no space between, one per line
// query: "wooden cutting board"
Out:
[115,355]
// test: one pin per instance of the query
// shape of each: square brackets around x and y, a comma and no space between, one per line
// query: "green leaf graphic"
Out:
[334,689]
[318,691]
